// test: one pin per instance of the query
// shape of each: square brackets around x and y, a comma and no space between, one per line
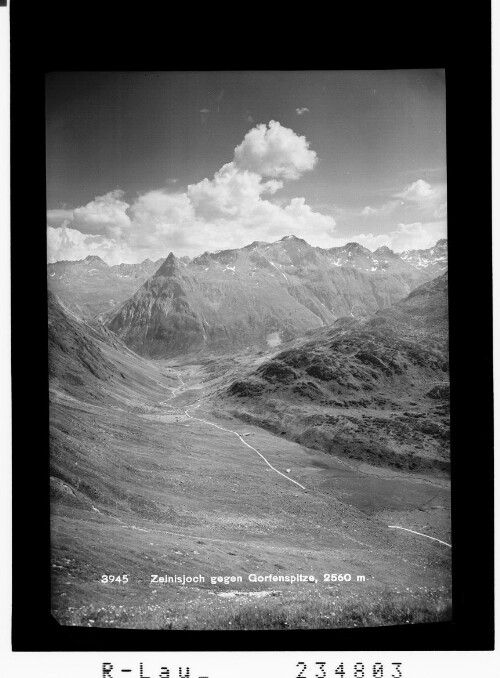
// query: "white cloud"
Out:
[301,111]
[231,193]
[422,193]
[65,243]
[441,212]
[382,211]
[105,214]
[58,216]
[274,151]
[158,207]
[205,110]
[413,236]
[418,235]
[417,191]
[160,218]
[419,195]
[229,210]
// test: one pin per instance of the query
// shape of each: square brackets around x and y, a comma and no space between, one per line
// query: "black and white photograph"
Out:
[249,390]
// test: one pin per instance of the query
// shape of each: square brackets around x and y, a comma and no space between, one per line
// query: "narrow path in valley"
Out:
[221,428]
[227,430]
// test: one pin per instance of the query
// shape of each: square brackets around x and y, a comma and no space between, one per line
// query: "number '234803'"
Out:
[357,670]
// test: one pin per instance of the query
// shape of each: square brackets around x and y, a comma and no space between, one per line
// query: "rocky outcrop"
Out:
[389,372]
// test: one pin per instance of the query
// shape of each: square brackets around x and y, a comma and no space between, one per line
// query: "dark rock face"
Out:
[277,372]
[245,389]
[388,371]
[236,299]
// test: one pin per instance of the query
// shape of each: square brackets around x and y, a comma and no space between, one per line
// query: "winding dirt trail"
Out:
[227,430]
[221,428]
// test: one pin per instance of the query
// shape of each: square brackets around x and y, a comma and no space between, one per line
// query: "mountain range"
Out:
[255,297]
[89,286]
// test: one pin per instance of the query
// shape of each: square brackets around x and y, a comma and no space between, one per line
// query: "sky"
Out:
[139,164]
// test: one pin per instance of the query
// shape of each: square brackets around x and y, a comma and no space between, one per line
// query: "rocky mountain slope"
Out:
[90,363]
[91,372]
[374,390]
[76,360]
[434,259]
[259,296]
[89,286]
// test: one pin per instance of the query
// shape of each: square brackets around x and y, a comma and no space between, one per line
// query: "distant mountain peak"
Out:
[94,259]
[353,247]
[386,251]
[254,244]
[292,239]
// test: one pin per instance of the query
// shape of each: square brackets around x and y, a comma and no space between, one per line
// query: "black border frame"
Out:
[74,37]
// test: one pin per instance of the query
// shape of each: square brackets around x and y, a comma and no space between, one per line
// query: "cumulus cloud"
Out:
[238,205]
[105,214]
[414,236]
[417,191]
[231,193]
[383,211]
[274,151]
[301,111]
[418,202]
[422,193]
[228,210]
[68,243]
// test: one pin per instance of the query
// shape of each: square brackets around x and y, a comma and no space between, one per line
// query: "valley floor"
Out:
[169,485]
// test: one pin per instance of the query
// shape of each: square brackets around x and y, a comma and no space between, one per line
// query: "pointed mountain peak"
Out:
[443,242]
[169,267]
